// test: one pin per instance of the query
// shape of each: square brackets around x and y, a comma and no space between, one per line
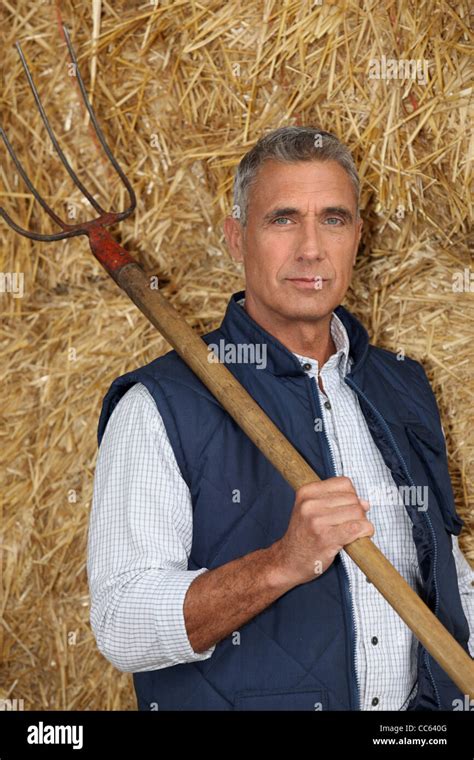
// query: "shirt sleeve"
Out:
[466,588]
[139,541]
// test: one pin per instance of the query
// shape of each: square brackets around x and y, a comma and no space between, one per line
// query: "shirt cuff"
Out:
[171,632]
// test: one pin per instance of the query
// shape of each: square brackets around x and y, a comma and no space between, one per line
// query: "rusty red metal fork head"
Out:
[110,254]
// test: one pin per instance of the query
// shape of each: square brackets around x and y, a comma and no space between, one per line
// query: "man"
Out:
[211,580]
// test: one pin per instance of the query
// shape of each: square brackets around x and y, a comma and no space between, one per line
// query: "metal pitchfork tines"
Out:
[234,398]
[109,253]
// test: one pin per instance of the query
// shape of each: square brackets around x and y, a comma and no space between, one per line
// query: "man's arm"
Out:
[466,588]
[140,535]
[464,571]
[220,601]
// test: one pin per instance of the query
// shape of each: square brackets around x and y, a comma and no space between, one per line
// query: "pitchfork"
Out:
[224,386]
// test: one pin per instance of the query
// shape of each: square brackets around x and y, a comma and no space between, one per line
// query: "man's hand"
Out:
[326,516]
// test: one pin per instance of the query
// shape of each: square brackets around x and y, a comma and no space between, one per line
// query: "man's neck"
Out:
[310,339]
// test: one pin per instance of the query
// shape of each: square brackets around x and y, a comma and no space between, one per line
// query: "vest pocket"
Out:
[313,700]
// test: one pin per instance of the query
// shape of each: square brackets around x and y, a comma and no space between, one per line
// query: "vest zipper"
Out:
[355,692]
[425,514]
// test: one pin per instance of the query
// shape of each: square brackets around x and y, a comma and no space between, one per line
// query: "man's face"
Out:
[300,224]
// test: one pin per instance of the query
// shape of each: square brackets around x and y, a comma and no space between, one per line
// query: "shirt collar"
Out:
[340,358]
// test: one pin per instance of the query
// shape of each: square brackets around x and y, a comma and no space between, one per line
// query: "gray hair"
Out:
[289,145]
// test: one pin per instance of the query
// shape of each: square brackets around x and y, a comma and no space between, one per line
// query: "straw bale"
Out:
[182,90]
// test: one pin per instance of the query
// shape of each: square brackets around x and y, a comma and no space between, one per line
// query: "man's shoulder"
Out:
[137,396]
[165,380]
[171,363]
[406,377]
[396,361]
[391,356]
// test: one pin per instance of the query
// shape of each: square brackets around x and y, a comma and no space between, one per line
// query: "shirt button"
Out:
[375,701]
[375,640]
[307,366]
[327,404]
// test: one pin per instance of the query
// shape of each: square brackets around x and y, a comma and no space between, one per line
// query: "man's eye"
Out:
[331,219]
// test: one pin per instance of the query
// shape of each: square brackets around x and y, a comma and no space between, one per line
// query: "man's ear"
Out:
[234,234]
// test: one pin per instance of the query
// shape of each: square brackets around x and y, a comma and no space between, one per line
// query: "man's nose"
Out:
[311,245]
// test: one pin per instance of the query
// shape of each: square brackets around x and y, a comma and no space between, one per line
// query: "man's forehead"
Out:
[275,188]
[278,181]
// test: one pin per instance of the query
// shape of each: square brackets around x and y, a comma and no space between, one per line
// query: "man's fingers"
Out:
[336,502]
[330,485]
[357,529]
[344,514]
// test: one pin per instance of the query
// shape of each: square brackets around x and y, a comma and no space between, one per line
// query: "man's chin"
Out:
[305,308]
[290,304]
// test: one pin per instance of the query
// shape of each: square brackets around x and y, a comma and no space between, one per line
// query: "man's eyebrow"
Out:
[282,211]
[292,211]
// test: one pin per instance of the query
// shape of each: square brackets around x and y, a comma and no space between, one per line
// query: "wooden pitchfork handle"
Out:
[280,452]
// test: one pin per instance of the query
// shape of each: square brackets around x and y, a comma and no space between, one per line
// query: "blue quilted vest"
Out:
[298,653]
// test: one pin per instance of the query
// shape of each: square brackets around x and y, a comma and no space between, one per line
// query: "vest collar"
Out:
[239,327]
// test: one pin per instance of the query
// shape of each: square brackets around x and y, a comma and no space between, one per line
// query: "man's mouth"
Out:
[315,282]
